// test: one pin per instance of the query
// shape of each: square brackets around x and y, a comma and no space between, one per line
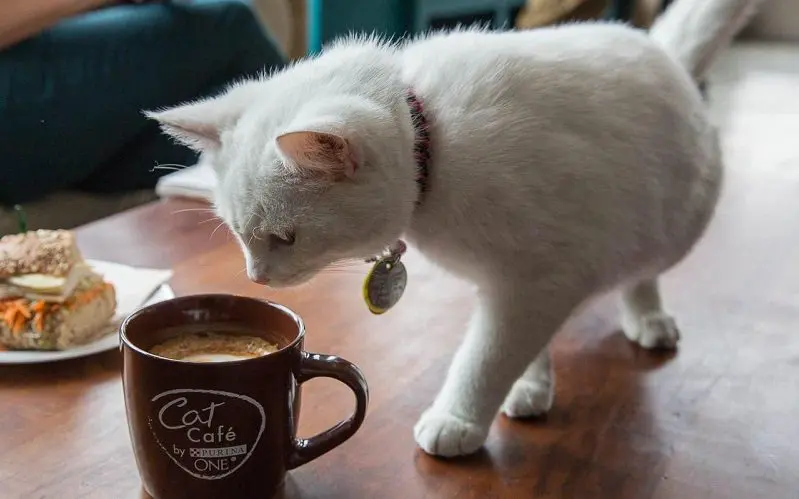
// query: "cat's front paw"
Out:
[528,399]
[445,435]
[656,330]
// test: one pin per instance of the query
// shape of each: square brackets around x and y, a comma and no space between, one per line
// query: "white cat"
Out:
[566,162]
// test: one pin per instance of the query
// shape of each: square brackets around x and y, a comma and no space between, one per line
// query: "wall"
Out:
[285,20]
[778,19]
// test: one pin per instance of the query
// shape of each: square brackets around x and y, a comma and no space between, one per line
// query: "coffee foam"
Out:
[212,347]
[215,357]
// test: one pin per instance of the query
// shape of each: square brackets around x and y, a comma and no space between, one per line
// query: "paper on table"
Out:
[134,285]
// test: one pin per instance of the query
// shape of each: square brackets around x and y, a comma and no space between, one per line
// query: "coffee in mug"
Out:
[206,427]
[212,343]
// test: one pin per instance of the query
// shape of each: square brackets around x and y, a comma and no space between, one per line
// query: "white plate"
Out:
[107,342]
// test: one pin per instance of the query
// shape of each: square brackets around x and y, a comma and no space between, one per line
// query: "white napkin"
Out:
[196,182]
[134,285]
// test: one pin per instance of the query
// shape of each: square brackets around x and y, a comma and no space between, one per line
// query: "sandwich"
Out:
[50,298]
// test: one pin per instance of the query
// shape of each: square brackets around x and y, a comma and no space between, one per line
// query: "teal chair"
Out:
[497,14]
[328,19]
[398,18]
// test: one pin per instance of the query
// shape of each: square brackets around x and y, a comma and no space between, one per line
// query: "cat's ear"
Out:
[319,154]
[198,125]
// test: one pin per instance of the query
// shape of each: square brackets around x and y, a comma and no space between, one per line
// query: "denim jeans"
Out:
[71,98]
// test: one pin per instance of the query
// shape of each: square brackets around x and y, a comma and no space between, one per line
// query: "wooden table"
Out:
[718,419]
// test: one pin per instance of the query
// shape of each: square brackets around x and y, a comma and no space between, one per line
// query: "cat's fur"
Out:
[566,162]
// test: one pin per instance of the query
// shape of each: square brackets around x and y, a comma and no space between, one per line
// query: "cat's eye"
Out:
[282,240]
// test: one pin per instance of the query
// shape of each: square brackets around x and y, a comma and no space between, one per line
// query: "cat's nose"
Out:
[258,274]
[257,269]
[258,278]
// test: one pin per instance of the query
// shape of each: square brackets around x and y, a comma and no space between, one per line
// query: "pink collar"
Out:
[421,145]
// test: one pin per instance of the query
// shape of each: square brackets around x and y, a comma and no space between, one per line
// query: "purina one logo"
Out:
[208,433]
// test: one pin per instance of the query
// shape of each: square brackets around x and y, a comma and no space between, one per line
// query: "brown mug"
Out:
[227,429]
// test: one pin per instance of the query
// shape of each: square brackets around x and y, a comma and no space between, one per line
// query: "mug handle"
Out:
[314,365]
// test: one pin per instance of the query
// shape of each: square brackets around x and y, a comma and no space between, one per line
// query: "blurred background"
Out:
[75,75]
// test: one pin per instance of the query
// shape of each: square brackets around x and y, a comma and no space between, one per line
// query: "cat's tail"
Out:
[694,31]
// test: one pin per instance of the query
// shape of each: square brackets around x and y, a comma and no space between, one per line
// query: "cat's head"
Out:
[303,180]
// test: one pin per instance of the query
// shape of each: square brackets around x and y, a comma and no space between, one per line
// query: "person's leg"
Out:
[247,53]
[71,98]
[132,166]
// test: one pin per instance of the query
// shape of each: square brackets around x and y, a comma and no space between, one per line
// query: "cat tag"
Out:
[384,285]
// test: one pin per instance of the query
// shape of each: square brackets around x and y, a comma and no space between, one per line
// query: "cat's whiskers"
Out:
[211,220]
[253,234]
[216,229]
[345,264]
[169,166]
[187,210]
[249,219]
